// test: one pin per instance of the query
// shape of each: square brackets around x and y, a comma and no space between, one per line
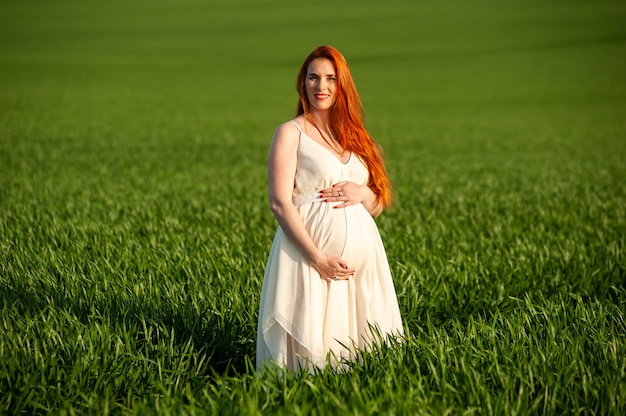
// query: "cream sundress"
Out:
[303,318]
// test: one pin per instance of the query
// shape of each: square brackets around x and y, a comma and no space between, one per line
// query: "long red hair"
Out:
[347,120]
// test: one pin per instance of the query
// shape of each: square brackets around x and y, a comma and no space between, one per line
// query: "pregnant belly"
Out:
[345,232]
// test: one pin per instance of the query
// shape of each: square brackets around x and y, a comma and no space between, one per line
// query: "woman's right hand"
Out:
[333,268]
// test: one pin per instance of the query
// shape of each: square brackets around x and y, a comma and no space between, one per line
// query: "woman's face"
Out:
[321,83]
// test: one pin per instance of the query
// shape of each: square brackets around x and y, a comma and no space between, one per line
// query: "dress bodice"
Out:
[319,168]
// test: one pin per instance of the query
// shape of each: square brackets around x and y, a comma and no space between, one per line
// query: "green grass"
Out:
[134,225]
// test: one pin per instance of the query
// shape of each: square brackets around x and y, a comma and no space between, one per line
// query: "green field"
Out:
[134,223]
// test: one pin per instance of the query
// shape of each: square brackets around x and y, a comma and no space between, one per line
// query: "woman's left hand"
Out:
[346,193]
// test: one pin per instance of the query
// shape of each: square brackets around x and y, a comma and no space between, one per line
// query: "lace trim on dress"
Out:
[306,198]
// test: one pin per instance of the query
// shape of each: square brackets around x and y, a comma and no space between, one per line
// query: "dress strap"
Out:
[297,126]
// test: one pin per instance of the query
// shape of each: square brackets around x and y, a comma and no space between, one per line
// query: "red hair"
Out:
[347,120]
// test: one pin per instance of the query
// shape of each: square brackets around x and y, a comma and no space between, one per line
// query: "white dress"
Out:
[303,318]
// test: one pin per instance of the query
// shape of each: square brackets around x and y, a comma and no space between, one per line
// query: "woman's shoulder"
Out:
[288,128]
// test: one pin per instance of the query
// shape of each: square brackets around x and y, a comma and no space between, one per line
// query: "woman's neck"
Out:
[321,119]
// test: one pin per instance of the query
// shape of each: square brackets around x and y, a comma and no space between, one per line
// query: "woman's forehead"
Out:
[321,66]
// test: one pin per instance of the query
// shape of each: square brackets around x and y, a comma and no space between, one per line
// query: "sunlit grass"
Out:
[134,225]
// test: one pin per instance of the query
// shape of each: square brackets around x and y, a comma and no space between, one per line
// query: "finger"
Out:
[333,194]
[339,188]
[333,188]
[337,278]
[341,274]
[346,275]
[345,272]
[336,198]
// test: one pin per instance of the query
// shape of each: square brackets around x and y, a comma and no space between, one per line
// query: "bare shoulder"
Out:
[287,129]
[286,136]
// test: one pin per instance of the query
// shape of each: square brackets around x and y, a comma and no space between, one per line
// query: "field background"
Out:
[134,224]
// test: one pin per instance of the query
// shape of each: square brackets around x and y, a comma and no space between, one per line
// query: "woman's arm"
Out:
[371,204]
[282,164]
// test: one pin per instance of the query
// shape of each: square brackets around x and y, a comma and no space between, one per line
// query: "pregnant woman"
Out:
[327,287]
